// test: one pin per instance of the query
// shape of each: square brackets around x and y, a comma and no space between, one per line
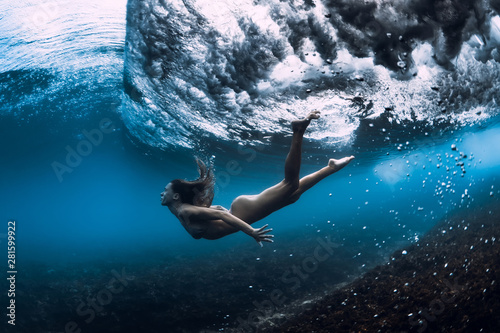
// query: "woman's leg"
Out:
[251,208]
[294,158]
[310,180]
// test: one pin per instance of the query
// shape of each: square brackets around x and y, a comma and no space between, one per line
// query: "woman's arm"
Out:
[204,213]
[218,207]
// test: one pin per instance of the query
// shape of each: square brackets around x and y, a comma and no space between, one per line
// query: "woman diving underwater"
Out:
[190,201]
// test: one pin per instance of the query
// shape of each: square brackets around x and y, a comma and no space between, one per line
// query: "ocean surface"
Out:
[102,103]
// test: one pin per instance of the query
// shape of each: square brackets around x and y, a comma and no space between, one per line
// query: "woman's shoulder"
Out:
[186,211]
[190,221]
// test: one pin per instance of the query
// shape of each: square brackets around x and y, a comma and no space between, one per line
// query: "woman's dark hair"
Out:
[199,192]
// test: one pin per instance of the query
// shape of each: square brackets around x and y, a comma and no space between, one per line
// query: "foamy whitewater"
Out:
[196,70]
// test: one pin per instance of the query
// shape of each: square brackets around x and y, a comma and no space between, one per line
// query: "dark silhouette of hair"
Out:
[199,192]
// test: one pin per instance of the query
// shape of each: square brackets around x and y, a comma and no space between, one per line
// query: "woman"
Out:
[190,201]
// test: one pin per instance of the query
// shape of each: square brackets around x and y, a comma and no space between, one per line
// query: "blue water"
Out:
[101,108]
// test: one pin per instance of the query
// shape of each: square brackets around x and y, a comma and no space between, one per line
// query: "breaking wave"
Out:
[238,71]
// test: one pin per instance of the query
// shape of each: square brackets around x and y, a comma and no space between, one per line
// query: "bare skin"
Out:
[216,222]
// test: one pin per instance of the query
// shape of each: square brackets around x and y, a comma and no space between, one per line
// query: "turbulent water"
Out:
[103,102]
[232,70]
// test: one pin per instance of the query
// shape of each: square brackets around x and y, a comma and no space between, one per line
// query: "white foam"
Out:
[211,78]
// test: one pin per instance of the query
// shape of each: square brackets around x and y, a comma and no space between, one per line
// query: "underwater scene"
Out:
[103,103]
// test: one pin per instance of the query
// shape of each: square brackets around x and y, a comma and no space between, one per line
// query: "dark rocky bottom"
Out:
[447,282]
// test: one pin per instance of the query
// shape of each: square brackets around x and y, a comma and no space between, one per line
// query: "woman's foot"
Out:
[301,125]
[336,165]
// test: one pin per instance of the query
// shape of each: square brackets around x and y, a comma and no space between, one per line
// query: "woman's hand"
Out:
[260,235]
